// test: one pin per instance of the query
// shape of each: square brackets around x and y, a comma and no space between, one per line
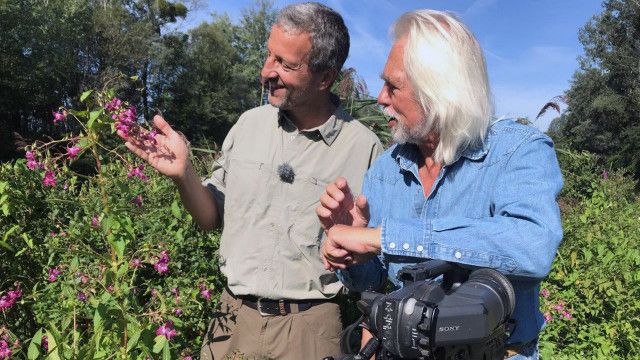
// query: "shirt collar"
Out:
[406,155]
[328,131]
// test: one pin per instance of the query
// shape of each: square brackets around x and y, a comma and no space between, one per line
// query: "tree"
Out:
[603,113]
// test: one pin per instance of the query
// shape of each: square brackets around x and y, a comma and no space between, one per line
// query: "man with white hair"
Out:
[458,186]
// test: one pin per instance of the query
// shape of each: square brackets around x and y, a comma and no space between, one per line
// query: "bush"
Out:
[104,264]
[591,297]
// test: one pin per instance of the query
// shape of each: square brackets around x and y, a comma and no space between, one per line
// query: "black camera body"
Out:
[464,316]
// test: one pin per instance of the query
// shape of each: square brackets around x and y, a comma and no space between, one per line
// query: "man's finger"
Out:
[329,202]
[137,150]
[324,215]
[162,126]
[363,207]
[346,190]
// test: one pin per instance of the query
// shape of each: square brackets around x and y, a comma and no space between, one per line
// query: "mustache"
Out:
[270,83]
[389,113]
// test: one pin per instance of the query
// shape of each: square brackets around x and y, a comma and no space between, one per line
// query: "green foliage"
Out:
[85,252]
[604,100]
[595,277]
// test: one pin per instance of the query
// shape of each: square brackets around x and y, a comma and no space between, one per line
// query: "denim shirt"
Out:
[495,207]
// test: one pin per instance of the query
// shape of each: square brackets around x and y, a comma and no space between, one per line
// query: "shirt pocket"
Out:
[306,229]
[247,186]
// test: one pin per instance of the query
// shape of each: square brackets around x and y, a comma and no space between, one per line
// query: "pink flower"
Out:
[95,222]
[53,274]
[49,179]
[205,292]
[177,311]
[166,330]
[138,172]
[605,174]
[59,116]
[187,358]
[567,315]
[5,351]
[544,293]
[73,151]
[548,317]
[82,296]
[559,306]
[135,263]
[5,303]
[32,163]
[113,105]
[137,201]
[162,266]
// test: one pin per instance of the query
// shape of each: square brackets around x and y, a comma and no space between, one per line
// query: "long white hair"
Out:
[446,67]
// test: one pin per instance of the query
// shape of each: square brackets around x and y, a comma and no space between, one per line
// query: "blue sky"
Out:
[531,46]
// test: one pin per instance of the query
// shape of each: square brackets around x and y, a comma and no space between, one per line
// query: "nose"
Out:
[268,71]
[383,98]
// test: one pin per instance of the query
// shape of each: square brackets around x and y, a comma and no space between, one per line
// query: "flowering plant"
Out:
[103,260]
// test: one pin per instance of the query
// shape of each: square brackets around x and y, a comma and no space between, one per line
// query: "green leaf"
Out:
[85,95]
[175,209]
[166,354]
[34,346]
[160,343]
[93,116]
[53,347]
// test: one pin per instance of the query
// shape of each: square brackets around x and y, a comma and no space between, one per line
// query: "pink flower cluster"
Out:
[49,178]
[53,274]
[73,151]
[205,292]
[32,163]
[10,298]
[5,350]
[138,172]
[60,115]
[125,120]
[114,105]
[137,201]
[162,266]
[166,330]
[559,308]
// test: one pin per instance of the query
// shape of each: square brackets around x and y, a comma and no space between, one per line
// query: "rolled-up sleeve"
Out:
[216,183]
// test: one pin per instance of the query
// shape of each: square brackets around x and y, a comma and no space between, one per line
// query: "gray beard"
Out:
[402,134]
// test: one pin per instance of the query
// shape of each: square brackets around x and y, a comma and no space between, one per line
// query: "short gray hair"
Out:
[329,35]
[445,64]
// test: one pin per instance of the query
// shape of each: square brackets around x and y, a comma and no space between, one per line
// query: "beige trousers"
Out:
[240,332]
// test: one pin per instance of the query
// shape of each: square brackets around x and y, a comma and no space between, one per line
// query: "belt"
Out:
[271,307]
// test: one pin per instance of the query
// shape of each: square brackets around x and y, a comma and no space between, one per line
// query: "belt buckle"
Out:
[259,304]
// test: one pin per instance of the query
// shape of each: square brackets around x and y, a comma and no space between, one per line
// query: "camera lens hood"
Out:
[498,283]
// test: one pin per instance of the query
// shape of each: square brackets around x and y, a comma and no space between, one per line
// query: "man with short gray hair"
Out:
[276,161]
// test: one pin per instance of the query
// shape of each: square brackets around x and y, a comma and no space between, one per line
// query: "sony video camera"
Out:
[464,316]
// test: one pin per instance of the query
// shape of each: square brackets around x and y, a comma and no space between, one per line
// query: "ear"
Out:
[327,78]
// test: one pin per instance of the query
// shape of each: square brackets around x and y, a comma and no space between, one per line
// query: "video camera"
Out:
[465,316]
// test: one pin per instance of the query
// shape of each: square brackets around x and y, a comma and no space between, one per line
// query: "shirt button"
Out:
[458,255]
[405,246]
[392,245]
[420,248]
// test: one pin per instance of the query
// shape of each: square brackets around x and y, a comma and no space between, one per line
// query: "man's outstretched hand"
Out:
[167,152]
[337,206]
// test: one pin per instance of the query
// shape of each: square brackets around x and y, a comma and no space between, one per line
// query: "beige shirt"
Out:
[271,235]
